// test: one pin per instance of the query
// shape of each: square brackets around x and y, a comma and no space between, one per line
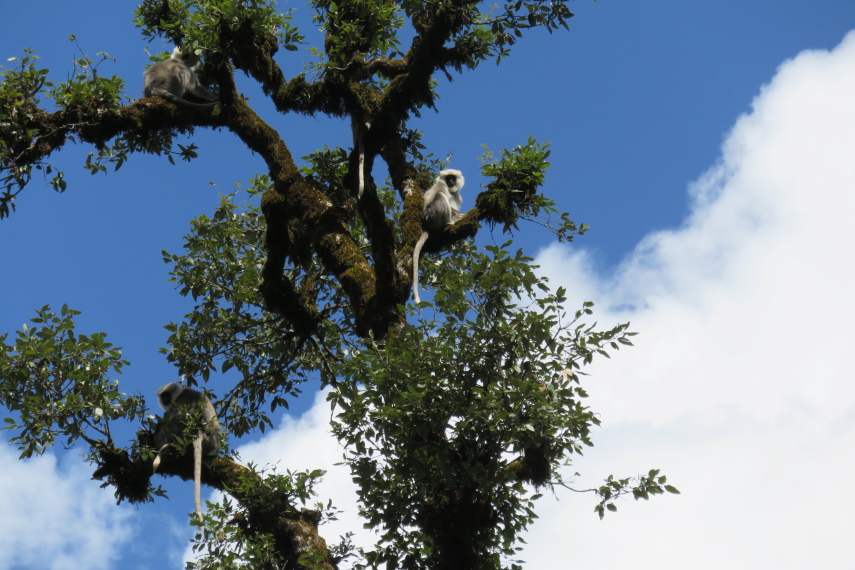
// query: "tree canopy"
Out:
[454,414]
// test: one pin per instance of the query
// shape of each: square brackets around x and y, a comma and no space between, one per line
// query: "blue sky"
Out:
[717,182]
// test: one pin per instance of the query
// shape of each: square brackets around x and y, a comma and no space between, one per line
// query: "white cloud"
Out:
[55,517]
[754,291]
[740,386]
[305,444]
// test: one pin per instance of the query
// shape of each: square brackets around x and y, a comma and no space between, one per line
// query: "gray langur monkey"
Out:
[178,402]
[172,78]
[442,207]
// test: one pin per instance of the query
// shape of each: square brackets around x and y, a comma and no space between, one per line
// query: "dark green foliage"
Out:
[59,384]
[434,419]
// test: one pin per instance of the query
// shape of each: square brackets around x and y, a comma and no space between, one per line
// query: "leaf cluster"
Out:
[641,487]
[20,89]
[513,191]
[57,383]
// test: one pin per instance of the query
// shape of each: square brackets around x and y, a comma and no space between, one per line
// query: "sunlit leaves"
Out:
[471,402]
[517,17]
[197,23]
[641,487]
[516,176]
[87,88]
[20,90]
[58,383]
[364,27]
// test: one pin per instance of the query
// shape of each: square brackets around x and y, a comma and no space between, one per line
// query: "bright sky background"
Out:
[710,146]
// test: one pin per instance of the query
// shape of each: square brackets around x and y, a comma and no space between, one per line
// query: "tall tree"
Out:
[453,413]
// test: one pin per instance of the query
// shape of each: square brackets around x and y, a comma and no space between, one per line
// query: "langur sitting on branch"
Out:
[180,403]
[172,78]
[442,207]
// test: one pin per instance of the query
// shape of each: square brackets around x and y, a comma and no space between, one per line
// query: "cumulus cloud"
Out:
[55,517]
[740,384]
[753,294]
[306,444]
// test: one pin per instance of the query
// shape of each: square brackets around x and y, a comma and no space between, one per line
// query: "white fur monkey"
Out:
[442,207]
[177,402]
[172,78]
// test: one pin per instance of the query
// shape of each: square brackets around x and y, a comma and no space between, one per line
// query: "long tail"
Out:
[197,472]
[361,163]
[416,252]
[157,459]
[163,93]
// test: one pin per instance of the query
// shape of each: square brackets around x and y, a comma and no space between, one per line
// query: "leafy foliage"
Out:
[58,383]
[445,423]
[19,99]
[229,330]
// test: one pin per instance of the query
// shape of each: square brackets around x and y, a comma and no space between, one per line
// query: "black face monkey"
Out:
[177,402]
[442,207]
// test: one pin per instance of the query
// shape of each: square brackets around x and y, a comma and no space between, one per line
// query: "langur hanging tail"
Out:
[177,402]
[416,252]
[197,473]
[359,131]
